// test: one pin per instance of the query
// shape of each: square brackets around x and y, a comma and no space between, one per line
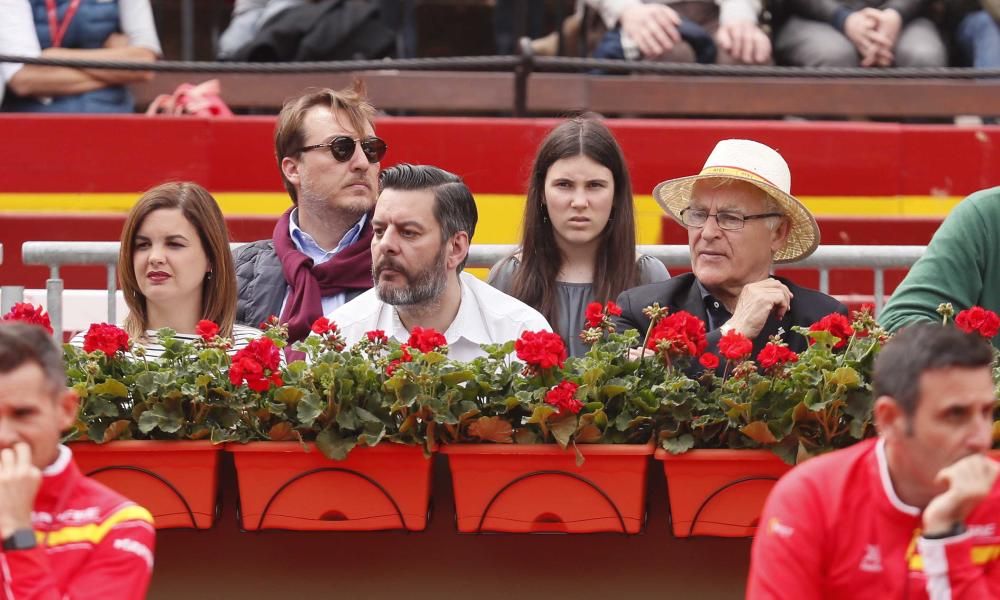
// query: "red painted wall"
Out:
[132,153]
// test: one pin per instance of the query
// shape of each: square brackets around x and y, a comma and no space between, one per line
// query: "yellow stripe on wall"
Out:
[94,532]
[499,214]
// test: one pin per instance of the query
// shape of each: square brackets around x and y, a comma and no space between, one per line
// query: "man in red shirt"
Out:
[914,513]
[64,535]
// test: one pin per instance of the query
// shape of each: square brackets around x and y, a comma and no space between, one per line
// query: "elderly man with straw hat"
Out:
[741,220]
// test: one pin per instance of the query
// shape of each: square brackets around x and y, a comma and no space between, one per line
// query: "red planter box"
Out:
[282,486]
[174,480]
[531,488]
[719,492]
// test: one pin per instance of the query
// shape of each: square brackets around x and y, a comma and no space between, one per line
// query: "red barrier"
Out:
[130,153]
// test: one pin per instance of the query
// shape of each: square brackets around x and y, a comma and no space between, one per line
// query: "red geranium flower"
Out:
[541,349]
[709,361]
[323,326]
[29,313]
[563,397]
[376,336]
[774,354]
[426,340]
[837,324]
[978,320]
[613,309]
[735,346]
[404,357]
[109,339]
[207,330]
[594,314]
[681,333]
[257,365]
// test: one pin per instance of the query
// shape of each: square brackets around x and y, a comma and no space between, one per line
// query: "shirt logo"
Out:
[872,561]
[776,527]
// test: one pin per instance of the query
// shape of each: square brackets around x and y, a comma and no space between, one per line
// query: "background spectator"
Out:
[75,29]
[851,33]
[706,31]
[578,237]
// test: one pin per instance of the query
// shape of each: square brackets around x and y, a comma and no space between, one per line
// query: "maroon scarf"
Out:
[348,270]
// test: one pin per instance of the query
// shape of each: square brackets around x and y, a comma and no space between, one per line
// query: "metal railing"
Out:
[877,258]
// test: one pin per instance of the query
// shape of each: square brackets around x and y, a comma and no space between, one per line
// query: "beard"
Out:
[421,287]
[313,199]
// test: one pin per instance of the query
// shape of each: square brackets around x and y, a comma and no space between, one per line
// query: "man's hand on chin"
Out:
[19,483]
[755,304]
[969,481]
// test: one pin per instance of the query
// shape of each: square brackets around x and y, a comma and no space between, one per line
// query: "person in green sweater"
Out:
[961,265]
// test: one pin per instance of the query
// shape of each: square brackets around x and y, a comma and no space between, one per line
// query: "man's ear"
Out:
[890,420]
[458,249]
[779,237]
[290,169]
[67,405]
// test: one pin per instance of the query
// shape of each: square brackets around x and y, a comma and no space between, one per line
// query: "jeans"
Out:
[978,37]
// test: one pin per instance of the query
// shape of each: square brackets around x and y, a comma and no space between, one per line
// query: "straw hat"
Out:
[761,166]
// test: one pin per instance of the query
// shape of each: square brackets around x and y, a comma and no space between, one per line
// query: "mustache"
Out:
[388,263]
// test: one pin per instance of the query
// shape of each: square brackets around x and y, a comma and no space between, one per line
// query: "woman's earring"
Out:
[545,214]
[208,275]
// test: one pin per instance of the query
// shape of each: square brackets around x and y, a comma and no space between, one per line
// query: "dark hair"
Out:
[289,134]
[22,343]
[218,300]
[454,206]
[534,282]
[923,347]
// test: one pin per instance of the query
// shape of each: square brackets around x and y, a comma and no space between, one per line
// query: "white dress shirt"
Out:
[485,316]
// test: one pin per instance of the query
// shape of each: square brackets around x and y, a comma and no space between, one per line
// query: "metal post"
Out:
[112,286]
[53,297]
[879,291]
[521,73]
[9,296]
[824,281]
[187,30]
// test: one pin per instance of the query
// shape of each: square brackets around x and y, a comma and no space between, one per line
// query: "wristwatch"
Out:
[957,528]
[21,539]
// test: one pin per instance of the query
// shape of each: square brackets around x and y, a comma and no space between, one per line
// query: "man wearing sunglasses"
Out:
[741,220]
[423,226]
[319,256]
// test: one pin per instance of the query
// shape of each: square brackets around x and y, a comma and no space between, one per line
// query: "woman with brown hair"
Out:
[578,241]
[175,267]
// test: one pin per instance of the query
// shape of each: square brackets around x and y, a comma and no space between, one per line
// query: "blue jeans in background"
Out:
[978,37]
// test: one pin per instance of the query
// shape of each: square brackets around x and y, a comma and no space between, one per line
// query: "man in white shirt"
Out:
[423,224]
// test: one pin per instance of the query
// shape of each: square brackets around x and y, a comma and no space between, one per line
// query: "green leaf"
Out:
[847,377]
[365,416]
[678,445]
[113,388]
[345,418]
[308,410]
[333,446]
[288,395]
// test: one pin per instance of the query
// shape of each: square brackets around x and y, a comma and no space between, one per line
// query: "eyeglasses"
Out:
[342,148]
[696,217]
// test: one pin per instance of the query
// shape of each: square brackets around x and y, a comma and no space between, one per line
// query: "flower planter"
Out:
[281,486]
[174,480]
[539,488]
[719,492]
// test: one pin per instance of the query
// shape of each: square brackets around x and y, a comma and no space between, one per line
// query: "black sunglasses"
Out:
[342,148]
